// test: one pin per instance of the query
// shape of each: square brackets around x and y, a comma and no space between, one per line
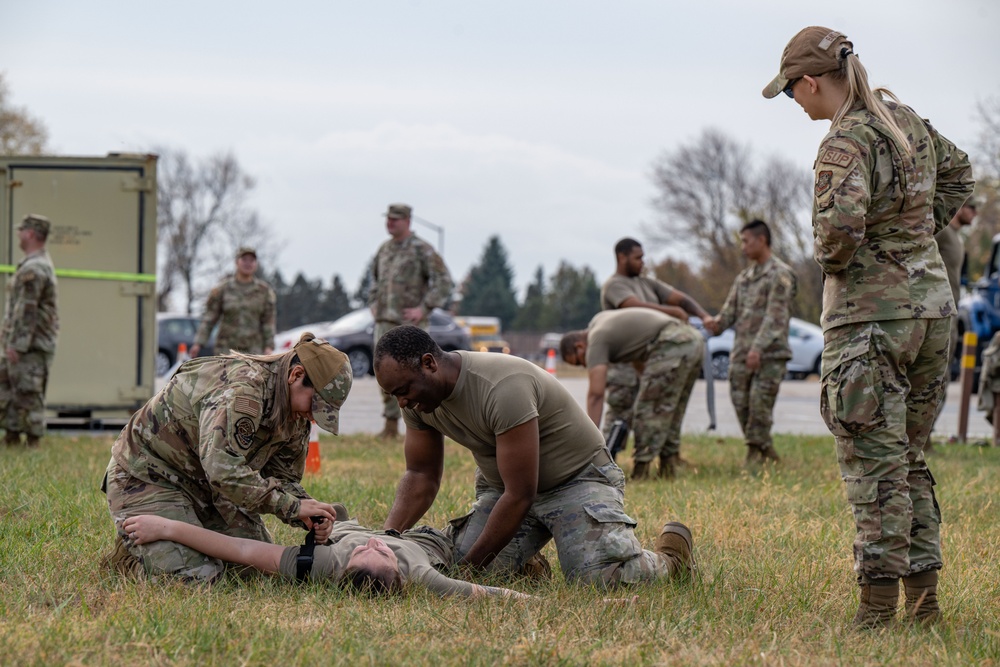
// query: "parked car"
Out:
[353,335]
[172,330]
[805,339]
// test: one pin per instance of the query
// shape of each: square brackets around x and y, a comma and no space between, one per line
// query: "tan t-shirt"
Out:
[411,549]
[495,393]
[617,288]
[615,336]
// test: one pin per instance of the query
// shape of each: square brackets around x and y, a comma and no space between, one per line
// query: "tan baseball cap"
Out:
[398,211]
[39,223]
[814,50]
[330,373]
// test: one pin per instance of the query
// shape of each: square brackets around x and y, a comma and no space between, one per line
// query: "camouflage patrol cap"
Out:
[39,223]
[330,373]
[246,250]
[814,50]
[398,211]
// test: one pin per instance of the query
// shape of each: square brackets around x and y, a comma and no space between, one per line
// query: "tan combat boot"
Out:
[537,568]
[768,454]
[121,561]
[669,465]
[32,442]
[877,607]
[754,456]
[921,597]
[675,541]
[12,439]
[391,430]
[640,470]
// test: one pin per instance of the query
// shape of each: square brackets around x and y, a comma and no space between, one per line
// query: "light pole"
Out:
[438,228]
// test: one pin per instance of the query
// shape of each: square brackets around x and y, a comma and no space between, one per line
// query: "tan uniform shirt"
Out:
[495,393]
[624,335]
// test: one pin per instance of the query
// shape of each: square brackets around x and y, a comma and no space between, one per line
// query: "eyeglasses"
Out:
[788,89]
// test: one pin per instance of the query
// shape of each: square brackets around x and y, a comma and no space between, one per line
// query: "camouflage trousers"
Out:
[621,390]
[989,377]
[753,394]
[586,517]
[390,408]
[129,496]
[22,392]
[882,383]
[672,365]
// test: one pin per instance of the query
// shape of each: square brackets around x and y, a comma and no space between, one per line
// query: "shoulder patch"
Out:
[824,180]
[244,431]
[246,406]
[836,158]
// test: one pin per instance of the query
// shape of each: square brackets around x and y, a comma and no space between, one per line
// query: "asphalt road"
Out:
[796,411]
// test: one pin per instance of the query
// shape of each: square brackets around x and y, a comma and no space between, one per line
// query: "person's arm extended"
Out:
[598,376]
[424,452]
[672,310]
[262,556]
[517,462]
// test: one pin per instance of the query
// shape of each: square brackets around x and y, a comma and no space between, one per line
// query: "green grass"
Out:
[776,584]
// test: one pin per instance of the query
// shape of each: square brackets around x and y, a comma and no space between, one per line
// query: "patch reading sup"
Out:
[836,158]
[244,431]
[823,182]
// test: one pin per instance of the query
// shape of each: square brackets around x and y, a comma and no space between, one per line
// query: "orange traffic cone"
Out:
[550,361]
[182,353]
[312,456]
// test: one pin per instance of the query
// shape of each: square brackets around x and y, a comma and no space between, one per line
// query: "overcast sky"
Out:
[537,121]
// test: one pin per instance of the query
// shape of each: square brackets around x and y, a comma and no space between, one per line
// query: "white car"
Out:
[805,339]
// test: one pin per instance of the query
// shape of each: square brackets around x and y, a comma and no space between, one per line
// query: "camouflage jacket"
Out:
[875,212]
[203,434]
[759,304]
[31,321]
[245,313]
[407,274]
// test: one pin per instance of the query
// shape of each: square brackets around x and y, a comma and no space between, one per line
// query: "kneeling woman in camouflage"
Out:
[886,181]
[224,441]
[367,560]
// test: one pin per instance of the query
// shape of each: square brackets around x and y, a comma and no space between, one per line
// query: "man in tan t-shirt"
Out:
[545,472]
[668,353]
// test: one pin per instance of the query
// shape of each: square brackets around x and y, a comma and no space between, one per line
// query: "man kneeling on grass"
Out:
[379,562]
[544,470]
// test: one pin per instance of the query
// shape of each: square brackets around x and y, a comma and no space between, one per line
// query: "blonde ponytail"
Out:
[858,89]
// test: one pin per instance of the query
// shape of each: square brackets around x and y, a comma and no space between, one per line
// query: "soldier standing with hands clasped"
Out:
[759,304]
[244,308]
[30,329]
[409,280]
[886,181]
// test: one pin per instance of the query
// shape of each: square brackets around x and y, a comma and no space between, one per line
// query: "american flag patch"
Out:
[246,406]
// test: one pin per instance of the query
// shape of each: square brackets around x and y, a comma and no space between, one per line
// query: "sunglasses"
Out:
[788,88]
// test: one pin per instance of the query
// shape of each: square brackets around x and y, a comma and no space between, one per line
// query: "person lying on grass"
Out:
[379,562]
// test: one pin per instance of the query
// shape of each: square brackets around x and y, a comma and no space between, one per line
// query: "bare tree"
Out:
[708,189]
[203,217]
[986,163]
[20,133]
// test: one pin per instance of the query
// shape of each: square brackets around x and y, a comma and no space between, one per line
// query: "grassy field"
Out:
[776,585]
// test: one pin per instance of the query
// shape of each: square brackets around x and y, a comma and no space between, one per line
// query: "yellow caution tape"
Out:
[94,275]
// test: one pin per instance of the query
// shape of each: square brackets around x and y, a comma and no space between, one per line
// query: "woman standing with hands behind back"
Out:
[886,182]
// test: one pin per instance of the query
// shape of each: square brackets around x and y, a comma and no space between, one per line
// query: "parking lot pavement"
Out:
[796,411]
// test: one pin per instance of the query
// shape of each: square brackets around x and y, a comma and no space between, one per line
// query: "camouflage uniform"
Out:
[594,537]
[759,303]
[245,314]
[887,306]
[202,451]
[405,274]
[623,379]
[989,377]
[30,326]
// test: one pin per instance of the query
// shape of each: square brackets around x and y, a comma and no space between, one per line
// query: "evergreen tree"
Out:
[489,288]
[530,317]
[336,303]
[360,296]
[574,298]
